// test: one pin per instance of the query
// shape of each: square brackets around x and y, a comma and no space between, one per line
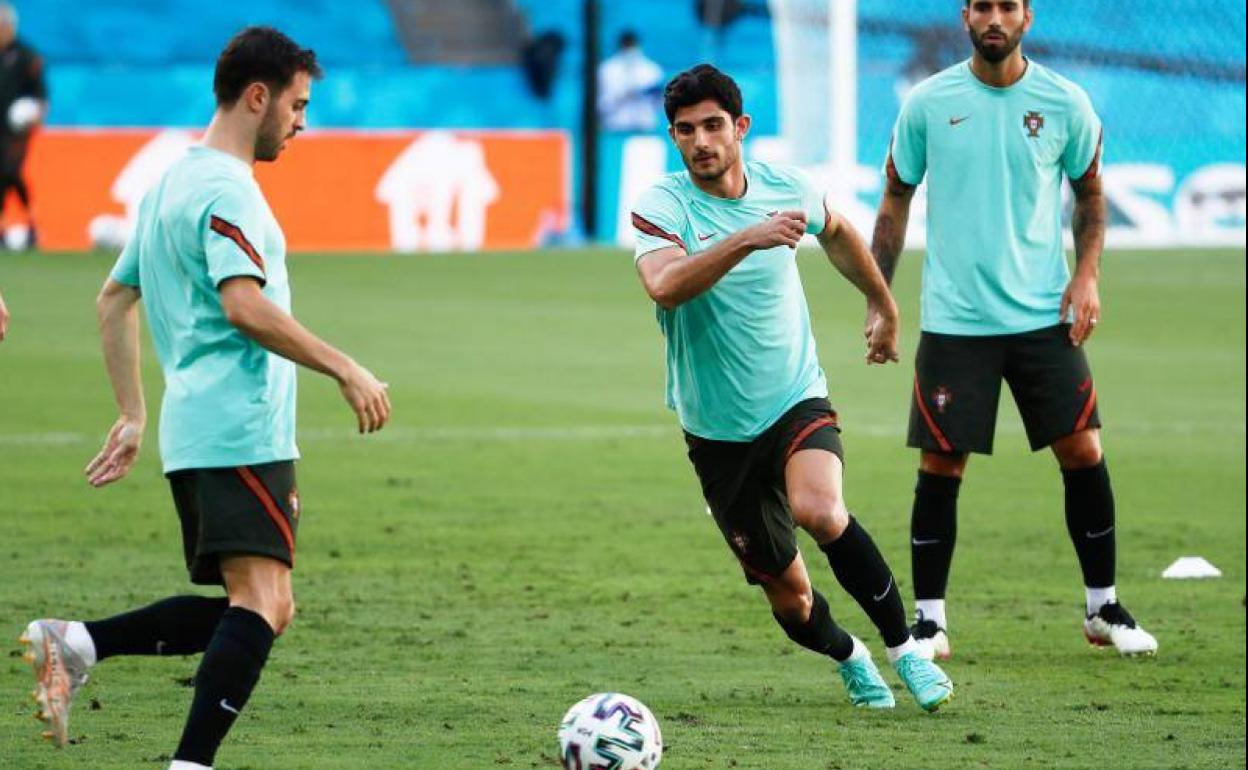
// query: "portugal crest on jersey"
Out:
[1033,122]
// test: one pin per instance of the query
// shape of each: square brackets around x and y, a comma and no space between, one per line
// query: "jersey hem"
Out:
[979,329]
[186,465]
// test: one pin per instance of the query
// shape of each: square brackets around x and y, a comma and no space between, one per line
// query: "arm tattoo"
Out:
[886,243]
[1088,221]
[889,237]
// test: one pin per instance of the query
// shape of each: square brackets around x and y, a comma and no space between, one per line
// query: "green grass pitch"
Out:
[528,531]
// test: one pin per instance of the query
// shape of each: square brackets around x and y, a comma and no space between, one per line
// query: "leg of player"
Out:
[804,615]
[261,606]
[61,651]
[813,483]
[933,535]
[1090,522]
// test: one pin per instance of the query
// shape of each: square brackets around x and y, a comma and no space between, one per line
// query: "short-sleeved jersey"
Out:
[742,353]
[994,160]
[228,401]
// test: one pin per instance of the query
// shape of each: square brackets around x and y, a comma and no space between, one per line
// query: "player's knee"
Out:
[284,613]
[790,604]
[941,464]
[815,504]
[1082,450]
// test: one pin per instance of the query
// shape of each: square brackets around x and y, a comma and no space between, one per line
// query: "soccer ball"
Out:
[23,113]
[610,731]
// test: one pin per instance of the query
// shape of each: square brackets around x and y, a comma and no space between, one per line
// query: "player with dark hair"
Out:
[21,78]
[208,262]
[716,252]
[994,136]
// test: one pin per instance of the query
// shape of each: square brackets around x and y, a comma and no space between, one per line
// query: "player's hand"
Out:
[367,397]
[1082,298]
[4,319]
[881,332]
[784,228]
[121,449]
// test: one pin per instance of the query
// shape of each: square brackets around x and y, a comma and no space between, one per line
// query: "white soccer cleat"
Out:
[932,640]
[59,672]
[1113,626]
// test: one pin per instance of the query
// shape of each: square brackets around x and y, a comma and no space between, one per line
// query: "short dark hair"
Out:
[1026,3]
[699,84]
[629,38]
[260,54]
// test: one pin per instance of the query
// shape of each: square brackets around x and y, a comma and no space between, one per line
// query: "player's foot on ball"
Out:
[930,686]
[932,640]
[1113,626]
[863,683]
[59,672]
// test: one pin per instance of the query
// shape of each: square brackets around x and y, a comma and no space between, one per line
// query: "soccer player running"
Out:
[994,136]
[716,252]
[208,262]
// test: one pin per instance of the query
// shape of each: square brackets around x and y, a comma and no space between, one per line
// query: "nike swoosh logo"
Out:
[1094,536]
[916,541]
[706,237]
[956,121]
[887,588]
[223,704]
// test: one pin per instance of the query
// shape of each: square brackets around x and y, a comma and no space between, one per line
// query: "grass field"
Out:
[528,531]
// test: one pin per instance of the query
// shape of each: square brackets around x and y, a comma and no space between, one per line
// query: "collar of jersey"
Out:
[1031,65]
[234,160]
[700,193]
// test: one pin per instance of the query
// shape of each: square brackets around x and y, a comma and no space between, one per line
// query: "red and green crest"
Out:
[1033,122]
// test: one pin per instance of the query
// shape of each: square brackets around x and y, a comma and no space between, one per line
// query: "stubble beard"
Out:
[269,139]
[996,53]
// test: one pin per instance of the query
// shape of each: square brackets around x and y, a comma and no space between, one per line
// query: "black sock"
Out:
[820,632]
[933,533]
[1090,522]
[179,625]
[862,571]
[227,674]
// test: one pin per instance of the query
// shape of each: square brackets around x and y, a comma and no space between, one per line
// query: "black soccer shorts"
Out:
[957,386]
[743,483]
[248,510]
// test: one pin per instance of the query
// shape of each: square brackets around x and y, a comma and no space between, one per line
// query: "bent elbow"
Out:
[664,295]
[239,316]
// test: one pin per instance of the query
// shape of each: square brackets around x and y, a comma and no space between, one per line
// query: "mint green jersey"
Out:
[228,401]
[994,160]
[742,353]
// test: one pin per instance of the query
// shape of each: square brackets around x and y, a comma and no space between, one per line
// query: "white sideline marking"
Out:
[398,434]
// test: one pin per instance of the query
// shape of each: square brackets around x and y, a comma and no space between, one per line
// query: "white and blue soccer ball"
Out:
[610,731]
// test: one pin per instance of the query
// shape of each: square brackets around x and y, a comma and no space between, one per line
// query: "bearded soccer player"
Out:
[208,262]
[994,136]
[716,252]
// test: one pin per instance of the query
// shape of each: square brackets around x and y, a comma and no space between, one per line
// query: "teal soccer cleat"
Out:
[866,688]
[930,686]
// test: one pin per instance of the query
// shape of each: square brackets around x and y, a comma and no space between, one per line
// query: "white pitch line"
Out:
[497,434]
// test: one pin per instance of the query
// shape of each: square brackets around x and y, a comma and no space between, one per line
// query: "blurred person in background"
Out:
[23,103]
[629,88]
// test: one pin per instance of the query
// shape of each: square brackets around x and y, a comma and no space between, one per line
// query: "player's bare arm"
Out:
[673,277]
[889,237]
[1088,223]
[848,252]
[254,315]
[4,319]
[118,317]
